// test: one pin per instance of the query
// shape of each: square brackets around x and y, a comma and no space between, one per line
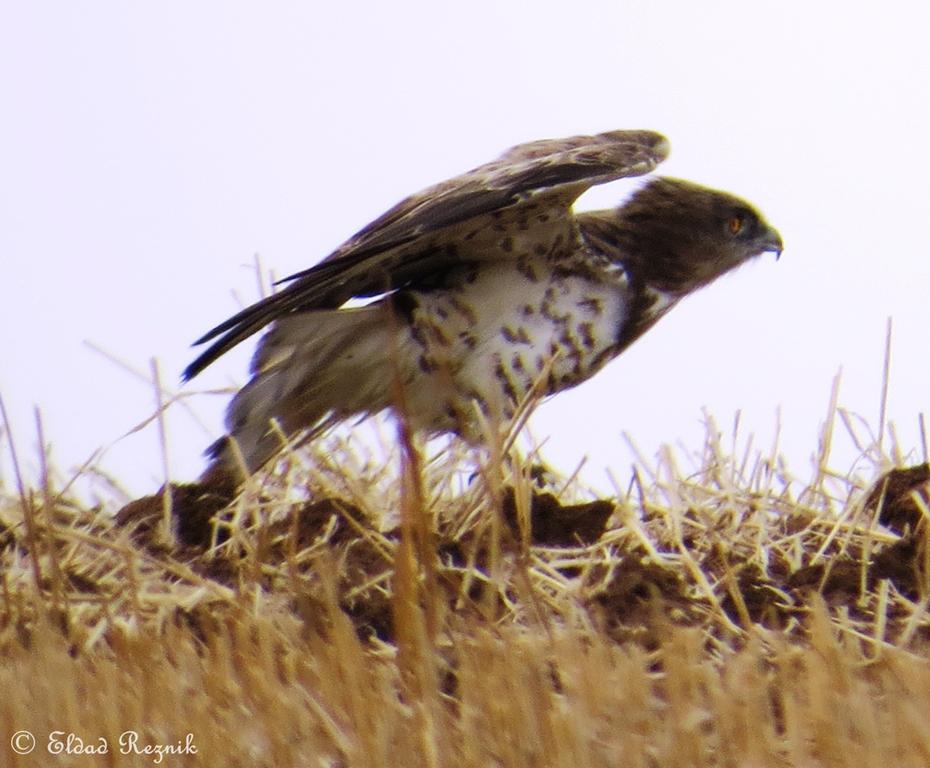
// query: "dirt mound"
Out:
[721,562]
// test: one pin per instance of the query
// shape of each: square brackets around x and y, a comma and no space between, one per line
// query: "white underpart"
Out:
[490,340]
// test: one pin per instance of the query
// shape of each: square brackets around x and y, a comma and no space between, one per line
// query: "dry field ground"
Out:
[464,609]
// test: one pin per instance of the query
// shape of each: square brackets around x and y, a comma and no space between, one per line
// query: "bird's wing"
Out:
[428,231]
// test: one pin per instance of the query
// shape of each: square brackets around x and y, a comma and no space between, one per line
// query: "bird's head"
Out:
[681,236]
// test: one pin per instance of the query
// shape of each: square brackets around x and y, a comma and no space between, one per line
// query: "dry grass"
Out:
[431,611]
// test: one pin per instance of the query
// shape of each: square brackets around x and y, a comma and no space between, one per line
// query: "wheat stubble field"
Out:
[461,608]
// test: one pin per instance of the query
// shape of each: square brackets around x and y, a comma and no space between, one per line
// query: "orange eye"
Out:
[735,224]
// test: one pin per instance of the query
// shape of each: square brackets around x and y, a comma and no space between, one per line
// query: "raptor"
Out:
[480,288]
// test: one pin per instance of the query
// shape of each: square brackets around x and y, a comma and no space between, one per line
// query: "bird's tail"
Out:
[310,370]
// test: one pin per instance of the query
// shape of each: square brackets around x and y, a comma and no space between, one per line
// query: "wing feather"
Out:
[427,231]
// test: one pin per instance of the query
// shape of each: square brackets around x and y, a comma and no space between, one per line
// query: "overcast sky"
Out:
[149,151]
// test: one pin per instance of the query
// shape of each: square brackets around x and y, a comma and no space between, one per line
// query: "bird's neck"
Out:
[645,263]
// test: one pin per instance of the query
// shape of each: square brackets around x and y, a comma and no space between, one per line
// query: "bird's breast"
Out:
[505,327]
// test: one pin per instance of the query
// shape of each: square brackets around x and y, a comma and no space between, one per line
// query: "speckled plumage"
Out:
[488,283]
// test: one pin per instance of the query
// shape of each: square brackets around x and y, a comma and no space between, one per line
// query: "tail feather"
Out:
[310,369]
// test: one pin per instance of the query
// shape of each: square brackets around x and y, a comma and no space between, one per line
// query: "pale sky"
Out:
[148,152]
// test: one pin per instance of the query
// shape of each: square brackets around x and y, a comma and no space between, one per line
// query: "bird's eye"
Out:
[736,224]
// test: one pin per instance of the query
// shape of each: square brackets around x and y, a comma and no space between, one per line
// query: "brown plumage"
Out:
[491,281]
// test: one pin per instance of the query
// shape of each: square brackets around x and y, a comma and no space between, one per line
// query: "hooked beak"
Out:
[771,242]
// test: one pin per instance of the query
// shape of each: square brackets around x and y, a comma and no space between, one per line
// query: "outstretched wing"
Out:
[435,228]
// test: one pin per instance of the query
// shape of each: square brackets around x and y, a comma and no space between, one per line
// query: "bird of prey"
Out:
[480,288]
